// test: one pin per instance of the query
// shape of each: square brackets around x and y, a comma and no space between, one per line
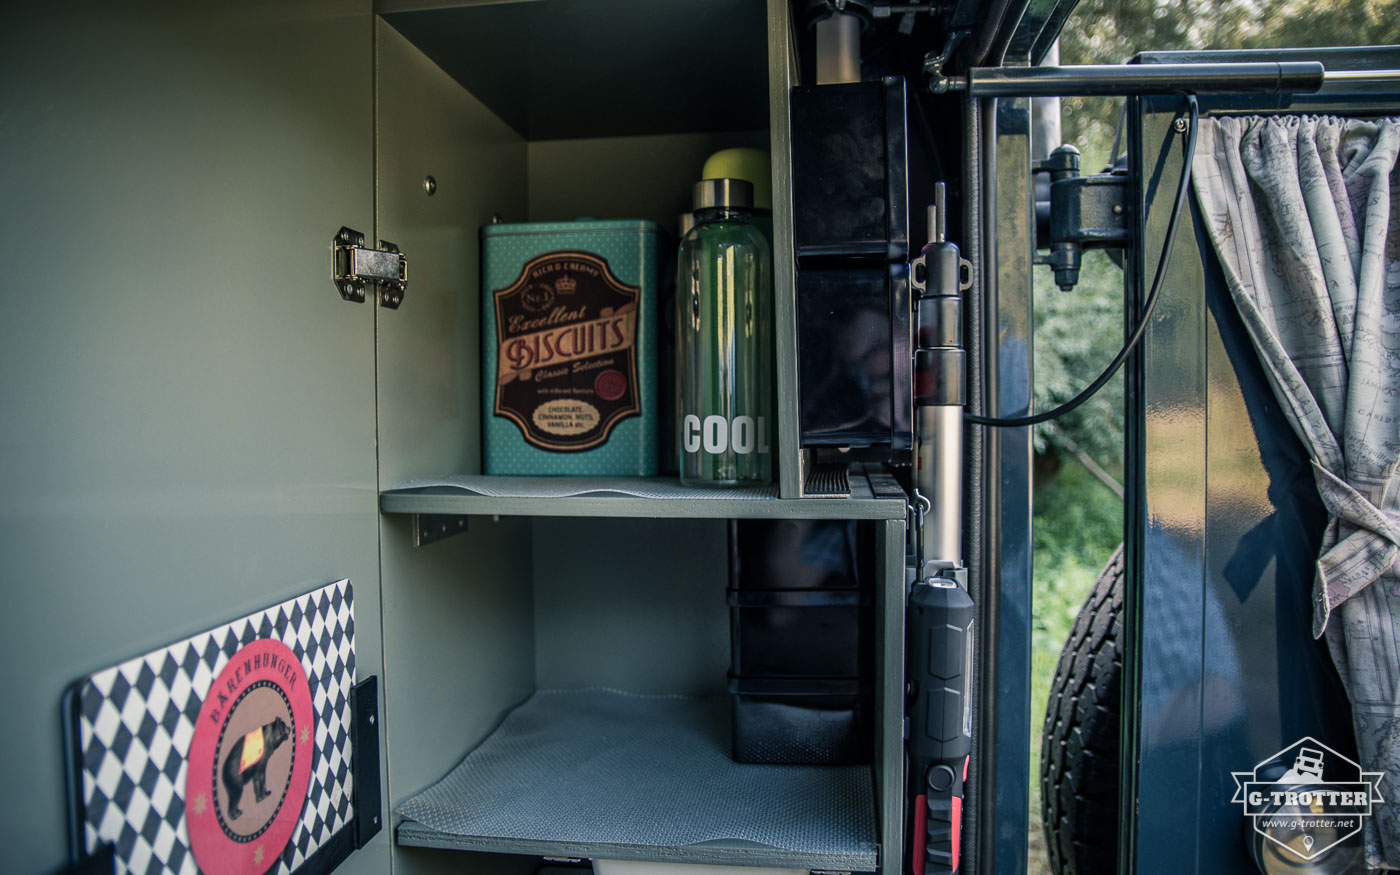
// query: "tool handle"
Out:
[940,726]
[943,818]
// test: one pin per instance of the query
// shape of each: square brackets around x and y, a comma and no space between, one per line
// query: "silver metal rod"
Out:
[1362,77]
[938,214]
[838,49]
[1273,77]
[939,478]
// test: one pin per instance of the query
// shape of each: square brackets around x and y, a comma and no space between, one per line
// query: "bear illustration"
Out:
[247,761]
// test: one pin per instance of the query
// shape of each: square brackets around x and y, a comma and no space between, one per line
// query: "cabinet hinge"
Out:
[355,266]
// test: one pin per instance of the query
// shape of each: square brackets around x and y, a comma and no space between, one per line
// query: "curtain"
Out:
[1299,208]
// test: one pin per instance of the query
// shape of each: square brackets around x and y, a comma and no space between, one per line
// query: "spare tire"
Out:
[1079,746]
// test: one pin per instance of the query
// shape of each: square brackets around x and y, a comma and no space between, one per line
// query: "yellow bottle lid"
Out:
[743,163]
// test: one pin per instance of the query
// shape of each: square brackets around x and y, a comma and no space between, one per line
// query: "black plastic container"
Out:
[801,634]
[812,721]
[799,554]
[850,170]
[853,353]
[851,221]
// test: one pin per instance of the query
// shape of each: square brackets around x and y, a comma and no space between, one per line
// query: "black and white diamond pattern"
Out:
[136,721]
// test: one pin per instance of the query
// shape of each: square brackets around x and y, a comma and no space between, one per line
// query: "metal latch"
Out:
[354,266]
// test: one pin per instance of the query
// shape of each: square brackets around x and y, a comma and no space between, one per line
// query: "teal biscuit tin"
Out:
[568,314]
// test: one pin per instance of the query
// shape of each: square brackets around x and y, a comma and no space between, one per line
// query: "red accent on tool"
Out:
[966,760]
[920,834]
[957,830]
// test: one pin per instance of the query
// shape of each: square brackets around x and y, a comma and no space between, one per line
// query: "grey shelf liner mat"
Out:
[604,767]
[493,486]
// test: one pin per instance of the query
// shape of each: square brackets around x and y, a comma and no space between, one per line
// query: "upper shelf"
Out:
[563,69]
[873,496]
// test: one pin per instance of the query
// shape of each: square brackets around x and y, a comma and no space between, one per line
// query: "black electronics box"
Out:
[851,242]
[801,636]
[854,357]
[802,721]
[850,192]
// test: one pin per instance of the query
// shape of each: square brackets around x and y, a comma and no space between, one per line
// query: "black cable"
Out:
[1157,281]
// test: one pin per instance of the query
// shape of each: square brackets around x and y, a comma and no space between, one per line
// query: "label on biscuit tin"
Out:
[566,359]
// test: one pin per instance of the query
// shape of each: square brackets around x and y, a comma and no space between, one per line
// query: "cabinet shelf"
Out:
[607,775]
[873,496]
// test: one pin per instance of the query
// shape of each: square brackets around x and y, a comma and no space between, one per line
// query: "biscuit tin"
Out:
[568,320]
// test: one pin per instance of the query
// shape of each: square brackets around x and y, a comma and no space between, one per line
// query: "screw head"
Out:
[1180,125]
[429,185]
[1117,209]
[371,720]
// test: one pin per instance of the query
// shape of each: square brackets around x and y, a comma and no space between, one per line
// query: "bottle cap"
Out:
[743,163]
[710,193]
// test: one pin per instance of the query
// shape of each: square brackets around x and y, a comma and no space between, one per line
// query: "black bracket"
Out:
[430,527]
[364,747]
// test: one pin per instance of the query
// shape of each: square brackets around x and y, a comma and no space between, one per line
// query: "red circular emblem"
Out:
[610,385]
[250,761]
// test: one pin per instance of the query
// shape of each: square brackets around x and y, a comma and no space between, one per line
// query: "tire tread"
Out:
[1079,743]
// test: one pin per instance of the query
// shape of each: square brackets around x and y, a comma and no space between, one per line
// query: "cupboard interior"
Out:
[529,612]
[536,112]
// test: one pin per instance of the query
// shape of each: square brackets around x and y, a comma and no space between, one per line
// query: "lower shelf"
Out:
[607,775]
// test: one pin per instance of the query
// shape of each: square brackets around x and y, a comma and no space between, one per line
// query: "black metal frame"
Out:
[1184,348]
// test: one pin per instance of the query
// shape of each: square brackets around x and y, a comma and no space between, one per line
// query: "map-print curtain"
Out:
[1299,210]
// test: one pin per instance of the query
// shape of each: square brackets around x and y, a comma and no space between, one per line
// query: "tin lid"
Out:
[634,226]
[710,193]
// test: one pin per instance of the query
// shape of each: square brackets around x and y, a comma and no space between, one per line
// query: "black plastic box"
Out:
[812,721]
[853,356]
[799,633]
[800,554]
[850,170]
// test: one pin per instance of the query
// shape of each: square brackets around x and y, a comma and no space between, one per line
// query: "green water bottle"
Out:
[724,306]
